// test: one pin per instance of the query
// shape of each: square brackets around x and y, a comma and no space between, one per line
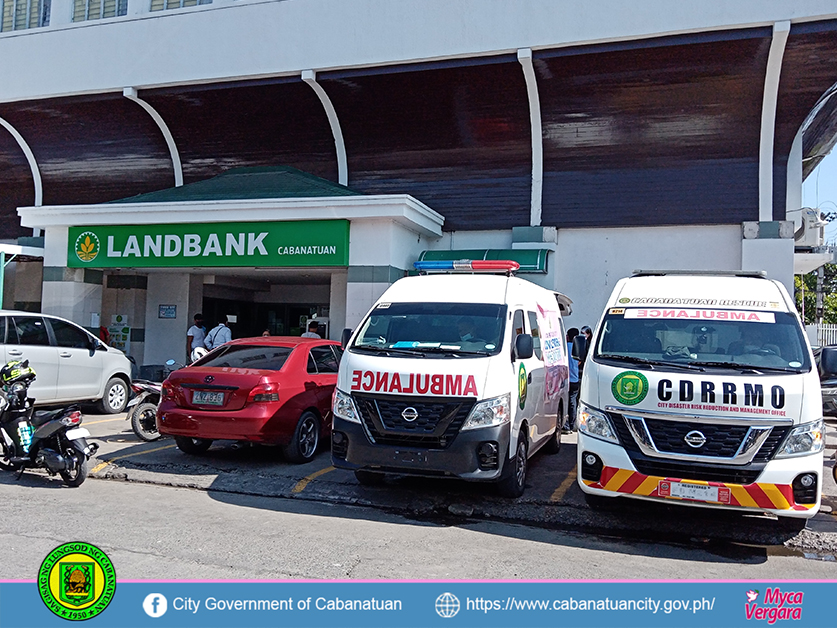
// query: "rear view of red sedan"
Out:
[275,390]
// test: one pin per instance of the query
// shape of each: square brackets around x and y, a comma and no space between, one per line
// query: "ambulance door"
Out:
[537,382]
[526,408]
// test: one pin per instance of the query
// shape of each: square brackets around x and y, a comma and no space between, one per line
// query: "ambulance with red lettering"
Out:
[456,373]
[701,389]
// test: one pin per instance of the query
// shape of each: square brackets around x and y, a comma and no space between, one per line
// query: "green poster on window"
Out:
[259,244]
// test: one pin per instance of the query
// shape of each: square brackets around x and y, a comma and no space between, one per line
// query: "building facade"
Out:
[600,137]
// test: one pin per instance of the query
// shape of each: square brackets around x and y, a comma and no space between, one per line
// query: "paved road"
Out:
[552,499]
[159,532]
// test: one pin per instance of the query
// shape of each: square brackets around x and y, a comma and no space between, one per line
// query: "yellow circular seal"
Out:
[87,246]
[76,581]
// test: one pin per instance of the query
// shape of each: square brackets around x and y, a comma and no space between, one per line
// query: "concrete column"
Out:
[769,246]
[61,12]
[337,305]
[73,293]
[165,338]
[126,295]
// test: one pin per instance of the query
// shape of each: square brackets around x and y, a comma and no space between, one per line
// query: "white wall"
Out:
[165,338]
[589,262]
[257,38]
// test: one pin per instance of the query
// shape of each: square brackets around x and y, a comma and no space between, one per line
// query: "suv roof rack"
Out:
[758,274]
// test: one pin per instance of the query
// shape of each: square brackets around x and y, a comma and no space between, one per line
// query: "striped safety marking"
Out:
[756,495]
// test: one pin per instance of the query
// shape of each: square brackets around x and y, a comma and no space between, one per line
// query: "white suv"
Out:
[71,365]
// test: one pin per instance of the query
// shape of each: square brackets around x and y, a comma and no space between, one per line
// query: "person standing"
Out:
[195,336]
[574,384]
[313,326]
[219,335]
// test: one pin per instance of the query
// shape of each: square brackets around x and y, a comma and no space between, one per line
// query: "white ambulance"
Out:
[453,375]
[701,389]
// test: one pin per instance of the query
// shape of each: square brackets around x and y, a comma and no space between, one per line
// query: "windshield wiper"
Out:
[652,363]
[450,351]
[734,366]
[777,369]
[388,350]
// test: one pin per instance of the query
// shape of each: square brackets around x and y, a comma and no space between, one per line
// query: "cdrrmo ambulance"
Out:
[701,389]
[454,375]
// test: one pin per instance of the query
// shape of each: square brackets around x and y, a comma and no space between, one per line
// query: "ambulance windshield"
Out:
[427,328]
[704,338]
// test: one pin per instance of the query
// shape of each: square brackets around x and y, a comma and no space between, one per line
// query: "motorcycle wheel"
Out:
[5,462]
[144,422]
[75,476]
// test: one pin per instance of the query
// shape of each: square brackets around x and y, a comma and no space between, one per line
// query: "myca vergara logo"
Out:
[777,605]
[522,385]
[630,387]
[77,581]
[87,246]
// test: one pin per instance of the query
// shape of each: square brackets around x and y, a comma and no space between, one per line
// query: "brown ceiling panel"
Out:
[455,137]
[16,186]
[91,150]
[665,133]
[279,123]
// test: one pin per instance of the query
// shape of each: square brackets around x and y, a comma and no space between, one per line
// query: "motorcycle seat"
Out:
[45,416]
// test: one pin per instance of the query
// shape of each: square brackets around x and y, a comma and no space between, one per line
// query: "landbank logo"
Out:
[629,387]
[76,581]
[447,605]
[777,605]
[87,246]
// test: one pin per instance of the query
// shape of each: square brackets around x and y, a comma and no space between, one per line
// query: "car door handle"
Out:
[529,379]
[15,352]
[65,354]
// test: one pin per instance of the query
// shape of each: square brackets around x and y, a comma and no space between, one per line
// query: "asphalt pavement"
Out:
[552,498]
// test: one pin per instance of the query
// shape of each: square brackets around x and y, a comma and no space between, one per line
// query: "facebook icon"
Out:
[155,604]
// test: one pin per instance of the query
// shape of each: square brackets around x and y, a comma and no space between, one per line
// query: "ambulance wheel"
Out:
[369,478]
[194,446]
[513,482]
[792,525]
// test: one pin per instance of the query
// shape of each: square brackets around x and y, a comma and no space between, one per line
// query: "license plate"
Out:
[697,492]
[208,398]
[76,433]
[410,457]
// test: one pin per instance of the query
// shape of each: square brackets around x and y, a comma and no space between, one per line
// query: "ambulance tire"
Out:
[369,478]
[792,525]
[513,482]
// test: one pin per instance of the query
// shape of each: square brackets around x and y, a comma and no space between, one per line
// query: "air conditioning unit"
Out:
[811,233]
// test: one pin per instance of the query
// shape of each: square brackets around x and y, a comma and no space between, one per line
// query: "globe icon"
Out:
[447,605]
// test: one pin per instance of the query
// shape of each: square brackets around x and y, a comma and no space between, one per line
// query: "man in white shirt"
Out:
[219,335]
[195,336]
[313,326]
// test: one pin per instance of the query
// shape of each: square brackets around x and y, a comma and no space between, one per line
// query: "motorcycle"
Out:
[142,409]
[46,439]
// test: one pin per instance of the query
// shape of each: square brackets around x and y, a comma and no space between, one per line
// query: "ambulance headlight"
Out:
[343,407]
[596,424]
[489,413]
[803,439]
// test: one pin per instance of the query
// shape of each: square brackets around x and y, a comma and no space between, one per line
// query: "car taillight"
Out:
[167,393]
[263,393]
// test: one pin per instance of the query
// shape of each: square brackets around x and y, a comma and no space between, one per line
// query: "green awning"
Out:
[530,260]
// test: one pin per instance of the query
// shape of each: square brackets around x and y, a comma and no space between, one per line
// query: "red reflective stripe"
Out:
[632,483]
[759,496]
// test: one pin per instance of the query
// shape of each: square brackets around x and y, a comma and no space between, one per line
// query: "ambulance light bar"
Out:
[466,265]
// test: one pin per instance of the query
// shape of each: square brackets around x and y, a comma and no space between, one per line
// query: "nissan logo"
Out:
[695,439]
[410,414]
[208,378]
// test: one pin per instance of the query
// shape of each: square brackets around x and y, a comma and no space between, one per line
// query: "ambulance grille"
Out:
[437,424]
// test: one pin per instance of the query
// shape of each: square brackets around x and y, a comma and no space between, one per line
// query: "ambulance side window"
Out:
[517,328]
[536,335]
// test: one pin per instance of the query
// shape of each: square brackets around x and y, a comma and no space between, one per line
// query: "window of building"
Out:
[97,9]
[19,14]
[164,5]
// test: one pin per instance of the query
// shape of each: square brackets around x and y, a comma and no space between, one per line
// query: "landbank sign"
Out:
[263,244]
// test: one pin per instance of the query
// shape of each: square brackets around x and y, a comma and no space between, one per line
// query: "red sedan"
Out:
[274,390]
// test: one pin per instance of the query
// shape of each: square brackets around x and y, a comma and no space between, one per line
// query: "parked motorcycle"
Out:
[46,439]
[142,409]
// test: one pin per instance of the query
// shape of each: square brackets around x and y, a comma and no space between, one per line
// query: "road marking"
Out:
[300,486]
[103,421]
[559,493]
[105,463]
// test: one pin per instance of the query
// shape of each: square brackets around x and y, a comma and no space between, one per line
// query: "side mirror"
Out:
[345,337]
[579,351]
[828,361]
[524,347]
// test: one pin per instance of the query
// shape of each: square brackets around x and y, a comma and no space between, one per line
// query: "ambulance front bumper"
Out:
[614,474]
[467,457]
